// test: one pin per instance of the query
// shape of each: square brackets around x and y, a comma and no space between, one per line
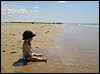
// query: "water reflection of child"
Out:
[27,50]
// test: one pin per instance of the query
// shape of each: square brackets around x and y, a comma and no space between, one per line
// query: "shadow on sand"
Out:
[22,62]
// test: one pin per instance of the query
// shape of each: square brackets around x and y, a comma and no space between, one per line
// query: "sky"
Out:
[50,11]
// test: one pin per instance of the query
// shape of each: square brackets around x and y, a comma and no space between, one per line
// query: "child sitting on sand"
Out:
[27,50]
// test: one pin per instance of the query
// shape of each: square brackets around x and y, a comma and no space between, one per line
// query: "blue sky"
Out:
[50,11]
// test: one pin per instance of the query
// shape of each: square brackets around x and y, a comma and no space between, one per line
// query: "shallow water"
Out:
[78,52]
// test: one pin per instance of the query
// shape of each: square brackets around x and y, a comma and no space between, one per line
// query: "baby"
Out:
[27,50]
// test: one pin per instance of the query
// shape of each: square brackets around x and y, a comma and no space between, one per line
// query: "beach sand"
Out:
[11,41]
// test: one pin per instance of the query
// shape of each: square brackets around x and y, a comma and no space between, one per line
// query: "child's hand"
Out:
[32,54]
[38,55]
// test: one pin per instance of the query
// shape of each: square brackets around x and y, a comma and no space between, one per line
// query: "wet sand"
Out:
[73,51]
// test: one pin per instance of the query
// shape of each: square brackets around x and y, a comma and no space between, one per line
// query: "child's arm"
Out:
[30,54]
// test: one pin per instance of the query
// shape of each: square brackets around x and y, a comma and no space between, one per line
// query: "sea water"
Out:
[79,47]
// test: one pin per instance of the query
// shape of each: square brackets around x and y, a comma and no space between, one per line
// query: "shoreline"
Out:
[11,40]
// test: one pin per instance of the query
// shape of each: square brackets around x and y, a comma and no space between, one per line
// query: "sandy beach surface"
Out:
[70,48]
[11,41]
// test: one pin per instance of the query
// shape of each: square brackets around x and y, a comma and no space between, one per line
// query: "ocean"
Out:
[78,48]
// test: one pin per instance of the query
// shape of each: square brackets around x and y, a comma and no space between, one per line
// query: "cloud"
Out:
[21,11]
[61,1]
[7,10]
[36,7]
[13,11]
[34,10]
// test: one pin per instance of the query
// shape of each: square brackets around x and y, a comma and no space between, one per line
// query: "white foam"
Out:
[91,26]
[79,24]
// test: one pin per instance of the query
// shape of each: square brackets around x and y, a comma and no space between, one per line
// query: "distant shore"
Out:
[37,22]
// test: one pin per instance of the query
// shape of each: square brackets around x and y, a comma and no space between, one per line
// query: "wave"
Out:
[91,26]
[79,24]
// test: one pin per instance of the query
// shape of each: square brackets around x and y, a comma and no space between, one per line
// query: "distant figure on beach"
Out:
[27,49]
[32,22]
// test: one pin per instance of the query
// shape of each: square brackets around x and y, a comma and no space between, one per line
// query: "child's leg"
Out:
[33,58]
[34,54]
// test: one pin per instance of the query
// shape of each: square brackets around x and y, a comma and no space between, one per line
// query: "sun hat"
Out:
[28,34]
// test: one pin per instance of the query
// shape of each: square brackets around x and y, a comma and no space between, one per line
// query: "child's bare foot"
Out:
[45,59]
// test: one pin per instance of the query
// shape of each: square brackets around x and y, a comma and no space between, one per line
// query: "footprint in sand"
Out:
[13,52]
[19,32]
[37,47]
[3,51]
[19,41]
[13,45]
[47,32]
[13,34]
[6,45]
[52,41]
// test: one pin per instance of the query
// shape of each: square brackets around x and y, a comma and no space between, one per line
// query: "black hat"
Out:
[28,34]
